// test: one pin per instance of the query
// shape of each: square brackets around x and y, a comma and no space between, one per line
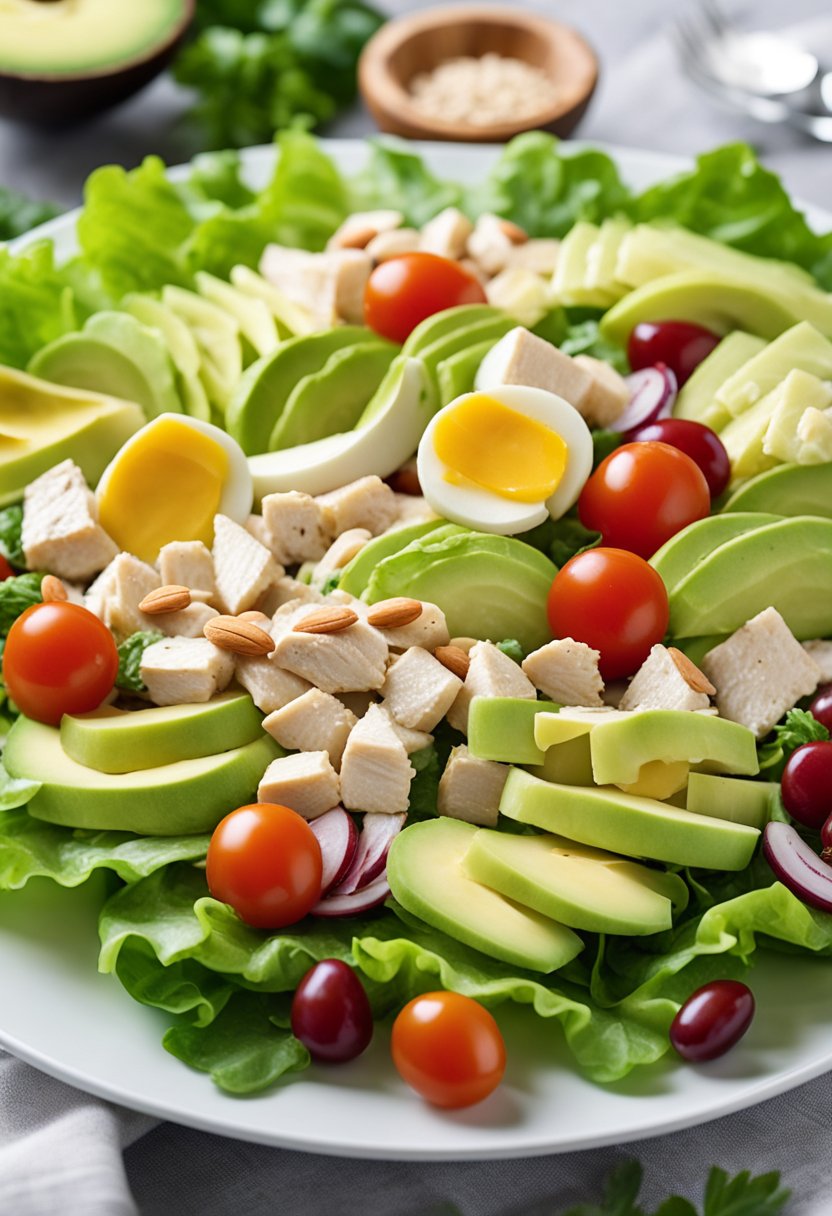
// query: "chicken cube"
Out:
[567,672]
[470,789]
[269,685]
[297,527]
[188,563]
[413,740]
[286,591]
[361,227]
[375,770]
[117,592]
[314,721]
[188,622]
[667,679]
[760,672]
[446,234]
[418,690]
[182,671]
[329,286]
[519,292]
[490,674]
[340,553]
[412,509]
[393,244]
[353,660]
[540,254]
[429,630]
[244,569]
[491,244]
[367,503]
[61,532]
[821,652]
[305,782]
[608,394]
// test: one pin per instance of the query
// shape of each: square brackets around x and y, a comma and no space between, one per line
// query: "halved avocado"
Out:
[438,326]
[356,574]
[679,556]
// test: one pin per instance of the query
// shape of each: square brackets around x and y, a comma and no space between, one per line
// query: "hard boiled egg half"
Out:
[169,481]
[504,460]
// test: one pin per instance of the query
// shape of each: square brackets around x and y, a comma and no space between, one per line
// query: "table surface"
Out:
[60,1150]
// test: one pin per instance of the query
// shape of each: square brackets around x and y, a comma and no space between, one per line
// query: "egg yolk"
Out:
[165,486]
[485,443]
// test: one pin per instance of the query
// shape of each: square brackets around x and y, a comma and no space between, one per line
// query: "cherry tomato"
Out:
[265,861]
[403,291]
[826,841]
[641,495]
[449,1049]
[821,707]
[59,659]
[613,601]
[703,445]
[680,344]
[807,784]
[331,1012]
[712,1020]
[5,569]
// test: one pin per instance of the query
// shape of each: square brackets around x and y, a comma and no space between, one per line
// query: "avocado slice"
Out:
[567,763]
[801,346]
[487,586]
[571,722]
[602,258]
[171,800]
[256,324]
[42,424]
[786,437]
[578,886]
[124,742]
[731,798]
[427,876]
[697,400]
[624,823]
[292,319]
[356,574]
[217,335]
[262,393]
[181,346]
[490,329]
[622,747]
[789,489]
[684,551]
[502,728]
[786,565]
[116,355]
[442,324]
[333,399]
[570,283]
[456,374]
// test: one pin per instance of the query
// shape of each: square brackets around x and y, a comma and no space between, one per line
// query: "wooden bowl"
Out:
[57,99]
[405,47]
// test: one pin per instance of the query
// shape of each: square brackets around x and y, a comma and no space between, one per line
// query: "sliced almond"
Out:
[171,598]
[690,673]
[516,234]
[326,620]
[454,658]
[394,613]
[52,590]
[238,636]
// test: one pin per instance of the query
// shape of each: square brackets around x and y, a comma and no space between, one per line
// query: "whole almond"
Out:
[239,637]
[257,618]
[394,613]
[326,620]
[690,673]
[52,590]
[455,659]
[358,238]
[171,598]
[516,234]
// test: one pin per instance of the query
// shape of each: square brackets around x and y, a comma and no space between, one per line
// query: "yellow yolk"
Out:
[166,486]
[484,442]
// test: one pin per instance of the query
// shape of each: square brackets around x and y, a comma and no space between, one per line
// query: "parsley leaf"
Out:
[424,787]
[621,1190]
[513,649]
[799,727]
[11,529]
[569,538]
[130,654]
[743,1195]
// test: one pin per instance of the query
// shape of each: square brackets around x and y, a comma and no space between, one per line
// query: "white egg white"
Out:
[482,509]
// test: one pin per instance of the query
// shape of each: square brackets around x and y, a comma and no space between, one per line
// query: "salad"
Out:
[417,598]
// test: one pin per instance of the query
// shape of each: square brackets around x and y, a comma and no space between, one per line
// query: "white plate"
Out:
[60,1015]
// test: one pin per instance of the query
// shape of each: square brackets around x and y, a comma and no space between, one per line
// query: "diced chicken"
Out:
[491,674]
[100,591]
[187,563]
[306,783]
[61,533]
[255,525]
[375,770]
[340,553]
[446,234]
[360,228]
[412,509]
[286,591]
[244,569]
[181,671]
[117,592]
[269,686]
[367,503]
[519,292]
[760,672]
[608,394]
[413,740]
[471,789]
[667,679]
[330,286]
[418,690]
[297,527]
[393,244]
[314,721]
[358,702]
[353,660]
[539,254]
[491,244]
[567,672]
[429,630]
[187,623]
[821,652]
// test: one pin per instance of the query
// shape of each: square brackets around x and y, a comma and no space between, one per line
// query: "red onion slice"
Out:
[338,837]
[653,393]
[798,866]
[355,902]
[377,834]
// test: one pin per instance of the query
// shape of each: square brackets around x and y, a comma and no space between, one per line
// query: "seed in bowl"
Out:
[483,90]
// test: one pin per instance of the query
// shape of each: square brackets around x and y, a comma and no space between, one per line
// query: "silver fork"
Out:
[762,74]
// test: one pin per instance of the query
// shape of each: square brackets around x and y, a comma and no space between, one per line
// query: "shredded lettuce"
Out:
[130,654]
[11,534]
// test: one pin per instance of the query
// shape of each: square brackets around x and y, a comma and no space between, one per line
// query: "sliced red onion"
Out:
[798,866]
[653,393]
[338,837]
[355,902]
[377,834]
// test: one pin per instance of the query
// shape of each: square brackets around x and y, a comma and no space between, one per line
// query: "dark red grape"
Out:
[679,344]
[807,784]
[703,445]
[821,707]
[331,1013]
[712,1020]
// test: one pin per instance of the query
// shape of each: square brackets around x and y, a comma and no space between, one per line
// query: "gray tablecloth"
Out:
[62,1151]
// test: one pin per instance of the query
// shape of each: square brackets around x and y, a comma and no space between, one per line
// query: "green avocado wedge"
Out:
[171,800]
[181,346]
[113,741]
[463,339]
[697,397]
[427,876]
[624,823]
[356,574]
[620,748]
[441,324]
[684,551]
[785,565]
[502,728]
[789,489]
[456,374]
[731,798]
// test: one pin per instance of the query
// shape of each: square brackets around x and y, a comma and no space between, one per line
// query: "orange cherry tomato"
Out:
[59,659]
[405,290]
[449,1049]
[642,494]
[614,602]
[265,861]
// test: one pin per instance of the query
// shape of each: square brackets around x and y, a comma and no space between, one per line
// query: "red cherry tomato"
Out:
[449,1049]
[821,707]
[613,601]
[680,344]
[403,291]
[265,861]
[641,495]
[807,784]
[59,659]
[331,1012]
[712,1020]
[703,445]
[5,569]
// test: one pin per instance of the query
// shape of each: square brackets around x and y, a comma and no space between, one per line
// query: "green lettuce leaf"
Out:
[37,302]
[398,178]
[19,214]
[130,655]
[307,198]
[16,595]
[797,728]
[11,535]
